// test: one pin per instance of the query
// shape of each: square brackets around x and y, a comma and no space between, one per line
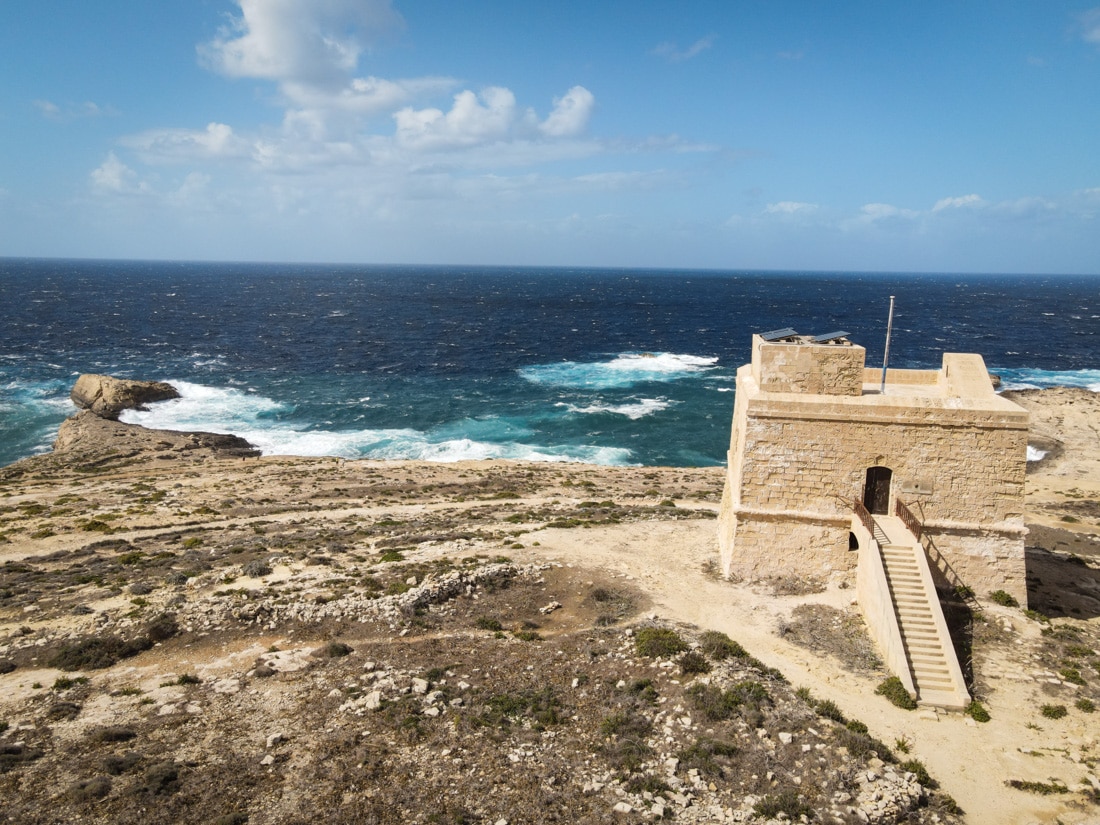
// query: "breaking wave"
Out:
[624,370]
[634,410]
[1033,379]
[257,419]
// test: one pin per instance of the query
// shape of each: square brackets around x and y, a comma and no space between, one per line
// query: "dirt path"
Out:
[669,562]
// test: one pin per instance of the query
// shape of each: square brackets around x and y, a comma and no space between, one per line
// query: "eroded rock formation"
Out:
[107,396]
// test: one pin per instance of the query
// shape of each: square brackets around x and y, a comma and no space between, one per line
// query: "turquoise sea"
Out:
[446,363]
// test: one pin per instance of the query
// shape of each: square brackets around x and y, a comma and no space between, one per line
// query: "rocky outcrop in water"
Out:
[107,396]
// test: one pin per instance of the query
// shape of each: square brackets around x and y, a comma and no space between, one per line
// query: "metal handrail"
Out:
[864,516]
[908,519]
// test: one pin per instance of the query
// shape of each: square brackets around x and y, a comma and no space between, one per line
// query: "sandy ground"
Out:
[673,562]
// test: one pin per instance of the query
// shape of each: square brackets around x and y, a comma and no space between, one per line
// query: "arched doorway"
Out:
[876,490]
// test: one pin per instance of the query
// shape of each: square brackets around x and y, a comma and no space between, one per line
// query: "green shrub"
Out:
[163,627]
[1053,711]
[12,756]
[1071,675]
[862,745]
[1085,705]
[916,767]
[693,662]
[1004,599]
[97,652]
[976,711]
[855,726]
[116,765]
[895,691]
[710,757]
[90,790]
[643,690]
[1041,788]
[625,723]
[64,682]
[333,650]
[542,706]
[487,623]
[114,733]
[392,555]
[828,709]
[658,642]
[188,679]
[257,568]
[785,802]
[717,704]
[719,646]
[162,778]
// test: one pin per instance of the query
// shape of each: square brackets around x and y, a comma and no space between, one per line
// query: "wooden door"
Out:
[876,490]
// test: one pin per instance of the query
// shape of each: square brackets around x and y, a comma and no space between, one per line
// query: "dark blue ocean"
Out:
[448,363]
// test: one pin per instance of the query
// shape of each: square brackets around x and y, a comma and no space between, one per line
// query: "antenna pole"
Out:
[886,354]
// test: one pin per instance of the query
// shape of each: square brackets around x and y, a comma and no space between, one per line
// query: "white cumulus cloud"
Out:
[297,40]
[570,114]
[364,95]
[217,140]
[472,119]
[488,117]
[115,176]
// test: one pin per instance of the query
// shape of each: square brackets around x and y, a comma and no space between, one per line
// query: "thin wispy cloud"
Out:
[87,109]
[1089,22]
[789,208]
[964,201]
[674,54]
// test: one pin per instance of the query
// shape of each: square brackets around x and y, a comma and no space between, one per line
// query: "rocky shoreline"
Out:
[217,639]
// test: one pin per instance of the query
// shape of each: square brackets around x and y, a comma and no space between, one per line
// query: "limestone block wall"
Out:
[967,475]
[808,368]
[985,561]
[798,461]
[760,546]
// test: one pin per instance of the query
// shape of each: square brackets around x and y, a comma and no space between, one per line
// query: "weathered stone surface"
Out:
[107,396]
[97,438]
[800,454]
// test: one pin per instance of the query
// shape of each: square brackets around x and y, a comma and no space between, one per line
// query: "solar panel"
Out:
[778,334]
[830,337]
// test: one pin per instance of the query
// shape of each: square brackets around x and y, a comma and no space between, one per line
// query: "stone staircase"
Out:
[933,663]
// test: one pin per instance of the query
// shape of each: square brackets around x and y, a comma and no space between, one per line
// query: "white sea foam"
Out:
[1035,454]
[1033,379]
[251,416]
[208,409]
[639,409]
[622,371]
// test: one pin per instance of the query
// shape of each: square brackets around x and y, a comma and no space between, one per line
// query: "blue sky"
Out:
[898,136]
